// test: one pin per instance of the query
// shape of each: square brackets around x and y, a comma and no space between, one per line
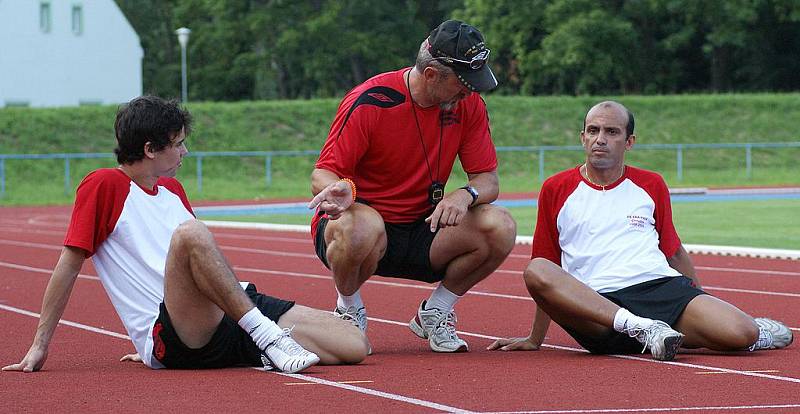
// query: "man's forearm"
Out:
[541,323]
[320,179]
[57,294]
[487,185]
[683,264]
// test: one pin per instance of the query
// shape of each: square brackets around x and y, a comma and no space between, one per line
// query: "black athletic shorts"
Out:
[229,346]
[662,299]
[408,251]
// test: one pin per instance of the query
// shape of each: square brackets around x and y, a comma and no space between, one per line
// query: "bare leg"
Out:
[356,243]
[709,322]
[334,340]
[472,250]
[567,300]
[199,285]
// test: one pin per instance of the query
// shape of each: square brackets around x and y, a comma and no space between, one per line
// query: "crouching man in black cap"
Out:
[379,184]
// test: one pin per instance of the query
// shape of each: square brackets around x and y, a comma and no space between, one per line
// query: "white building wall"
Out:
[102,64]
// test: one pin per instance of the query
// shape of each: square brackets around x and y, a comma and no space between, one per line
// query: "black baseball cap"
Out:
[461,47]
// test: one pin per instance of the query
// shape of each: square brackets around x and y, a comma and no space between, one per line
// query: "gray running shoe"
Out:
[286,355]
[662,340]
[772,335]
[357,317]
[439,328]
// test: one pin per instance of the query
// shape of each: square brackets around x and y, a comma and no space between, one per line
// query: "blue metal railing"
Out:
[269,155]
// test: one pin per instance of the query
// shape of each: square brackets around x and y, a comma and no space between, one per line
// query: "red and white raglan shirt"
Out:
[608,238]
[126,229]
[374,140]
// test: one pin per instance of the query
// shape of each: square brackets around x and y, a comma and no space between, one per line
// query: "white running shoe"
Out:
[439,328]
[286,355]
[772,335]
[662,340]
[357,317]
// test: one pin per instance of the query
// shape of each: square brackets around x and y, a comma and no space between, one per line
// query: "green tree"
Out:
[153,22]
[513,30]
[587,51]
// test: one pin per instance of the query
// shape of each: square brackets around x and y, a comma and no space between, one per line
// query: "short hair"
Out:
[148,119]
[425,60]
[631,121]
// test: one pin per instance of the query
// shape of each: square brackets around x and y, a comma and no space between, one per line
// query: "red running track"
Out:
[83,373]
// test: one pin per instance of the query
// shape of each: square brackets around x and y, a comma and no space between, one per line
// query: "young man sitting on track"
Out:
[178,298]
[609,267]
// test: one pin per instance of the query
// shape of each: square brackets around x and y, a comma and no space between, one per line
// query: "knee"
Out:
[743,333]
[536,275]
[497,227]
[190,233]
[356,349]
[360,231]
[351,348]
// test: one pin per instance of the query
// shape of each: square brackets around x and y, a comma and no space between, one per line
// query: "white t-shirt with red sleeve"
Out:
[127,229]
[608,238]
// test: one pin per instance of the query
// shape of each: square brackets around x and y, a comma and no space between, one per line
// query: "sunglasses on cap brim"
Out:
[475,63]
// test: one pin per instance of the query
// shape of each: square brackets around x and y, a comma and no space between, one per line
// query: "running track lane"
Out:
[547,383]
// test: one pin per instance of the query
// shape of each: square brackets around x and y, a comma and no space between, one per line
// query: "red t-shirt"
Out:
[375,141]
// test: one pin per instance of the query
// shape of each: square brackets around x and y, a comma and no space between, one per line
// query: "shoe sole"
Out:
[417,329]
[671,346]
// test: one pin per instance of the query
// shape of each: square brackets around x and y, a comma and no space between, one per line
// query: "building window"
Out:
[77,19]
[45,17]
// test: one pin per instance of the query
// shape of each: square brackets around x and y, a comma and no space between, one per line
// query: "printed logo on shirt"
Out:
[449,118]
[639,223]
[381,97]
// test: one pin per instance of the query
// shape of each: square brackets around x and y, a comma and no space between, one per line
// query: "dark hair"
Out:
[629,128]
[148,119]
[631,122]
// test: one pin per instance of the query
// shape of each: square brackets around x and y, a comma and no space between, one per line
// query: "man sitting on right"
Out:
[608,265]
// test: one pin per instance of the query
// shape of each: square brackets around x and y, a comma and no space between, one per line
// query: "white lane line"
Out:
[757,292]
[653,410]
[396,397]
[437,406]
[382,394]
[29,244]
[25,230]
[314,256]
[755,271]
[328,277]
[629,357]
[714,269]
[66,322]
[477,335]
[40,270]
[377,282]
[406,285]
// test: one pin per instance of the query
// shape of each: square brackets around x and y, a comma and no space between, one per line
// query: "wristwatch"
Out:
[472,191]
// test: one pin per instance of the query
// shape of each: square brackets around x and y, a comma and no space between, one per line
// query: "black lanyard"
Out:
[436,190]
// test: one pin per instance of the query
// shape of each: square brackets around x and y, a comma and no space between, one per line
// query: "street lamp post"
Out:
[183,39]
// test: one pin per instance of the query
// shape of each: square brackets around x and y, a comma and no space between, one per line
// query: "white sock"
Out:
[624,321]
[263,330]
[354,300]
[442,299]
